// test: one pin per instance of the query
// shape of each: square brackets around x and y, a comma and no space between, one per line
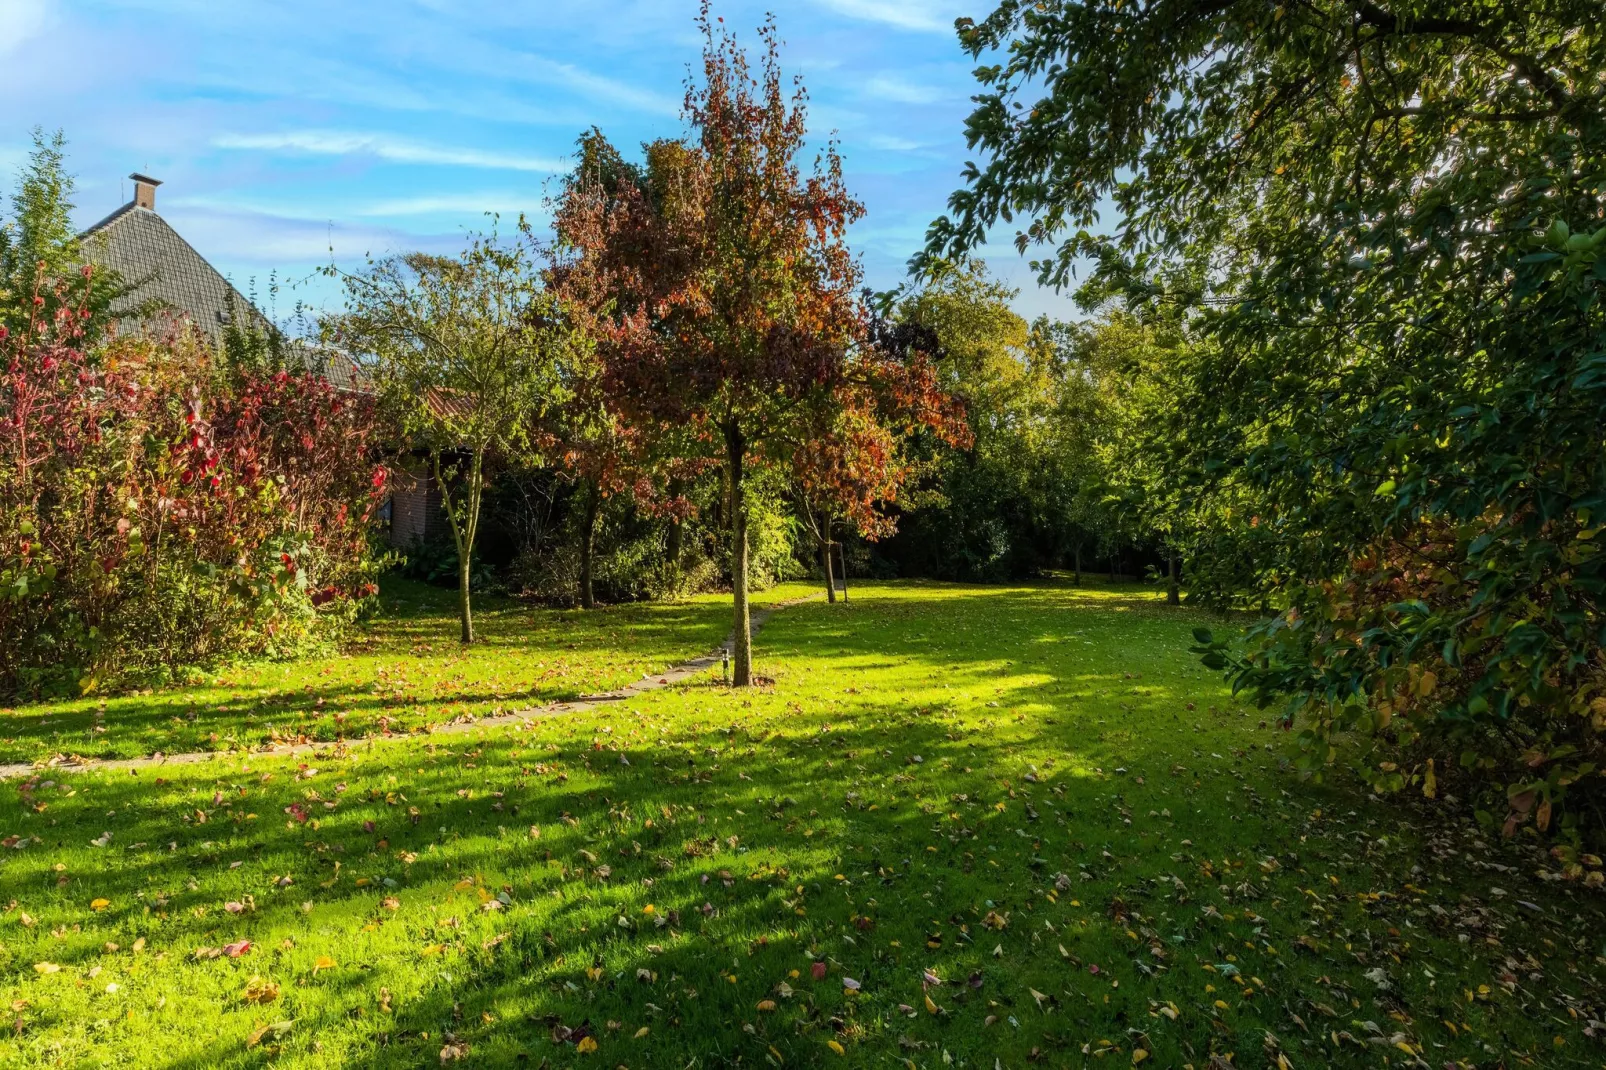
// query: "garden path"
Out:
[675,675]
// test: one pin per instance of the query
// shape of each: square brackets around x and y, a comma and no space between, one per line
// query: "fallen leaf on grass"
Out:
[258,990]
[276,1031]
[46,967]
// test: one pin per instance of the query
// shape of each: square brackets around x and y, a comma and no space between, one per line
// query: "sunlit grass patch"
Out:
[402,672]
[1065,849]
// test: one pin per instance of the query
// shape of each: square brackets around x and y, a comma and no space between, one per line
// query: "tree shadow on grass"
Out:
[880,826]
[525,657]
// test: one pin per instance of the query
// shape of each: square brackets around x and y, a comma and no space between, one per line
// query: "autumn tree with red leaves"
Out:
[726,302]
[605,453]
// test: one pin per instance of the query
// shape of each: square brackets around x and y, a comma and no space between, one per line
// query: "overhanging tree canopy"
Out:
[1387,220]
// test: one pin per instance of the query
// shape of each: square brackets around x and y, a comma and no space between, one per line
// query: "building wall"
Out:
[416,513]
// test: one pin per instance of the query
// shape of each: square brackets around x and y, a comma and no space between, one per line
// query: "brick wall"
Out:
[415,509]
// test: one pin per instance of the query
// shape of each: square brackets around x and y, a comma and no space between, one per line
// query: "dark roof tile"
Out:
[151,256]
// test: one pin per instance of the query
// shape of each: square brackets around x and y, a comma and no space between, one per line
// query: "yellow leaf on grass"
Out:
[1138,1055]
[46,967]
[586,1046]
[834,1046]
[643,1031]
[100,904]
[323,962]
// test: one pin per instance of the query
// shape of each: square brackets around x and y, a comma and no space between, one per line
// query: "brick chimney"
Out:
[145,191]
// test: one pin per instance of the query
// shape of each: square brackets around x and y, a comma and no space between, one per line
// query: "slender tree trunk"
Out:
[1115,564]
[673,543]
[463,516]
[1078,558]
[825,557]
[588,538]
[465,611]
[741,630]
[1173,594]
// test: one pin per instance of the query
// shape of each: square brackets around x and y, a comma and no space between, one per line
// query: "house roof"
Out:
[164,269]
[335,365]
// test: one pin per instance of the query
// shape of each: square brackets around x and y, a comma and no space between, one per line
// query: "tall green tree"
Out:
[1388,221]
[466,352]
[1028,493]
[43,274]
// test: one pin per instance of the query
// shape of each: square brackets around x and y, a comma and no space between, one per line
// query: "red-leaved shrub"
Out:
[156,512]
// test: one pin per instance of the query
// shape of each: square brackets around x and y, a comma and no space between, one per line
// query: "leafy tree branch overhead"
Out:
[1383,228]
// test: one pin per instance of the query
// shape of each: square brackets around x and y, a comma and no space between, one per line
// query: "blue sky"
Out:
[283,129]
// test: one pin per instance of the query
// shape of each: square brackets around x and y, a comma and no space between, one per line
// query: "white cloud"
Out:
[243,242]
[903,14]
[506,204]
[332,143]
[889,143]
[891,87]
[594,86]
[20,21]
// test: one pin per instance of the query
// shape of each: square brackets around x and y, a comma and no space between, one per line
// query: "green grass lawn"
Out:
[974,827]
[401,673]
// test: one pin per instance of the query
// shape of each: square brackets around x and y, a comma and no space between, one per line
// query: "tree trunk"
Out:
[1078,558]
[588,538]
[741,630]
[1115,564]
[464,518]
[1173,594]
[825,557]
[673,544]
[466,631]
